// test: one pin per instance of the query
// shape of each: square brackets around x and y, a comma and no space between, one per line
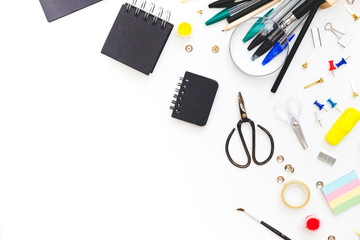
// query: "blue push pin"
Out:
[343,61]
[321,106]
[333,104]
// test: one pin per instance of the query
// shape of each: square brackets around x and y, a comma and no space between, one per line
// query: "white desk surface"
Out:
[89,150]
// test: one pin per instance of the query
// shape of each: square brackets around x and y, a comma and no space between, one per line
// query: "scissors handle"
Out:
[252,124]
[271,142]
[245,148]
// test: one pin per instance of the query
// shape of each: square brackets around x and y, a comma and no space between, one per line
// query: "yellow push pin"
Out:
[309,59]
[184,29]
[355,93]
[351,12]
[357,232]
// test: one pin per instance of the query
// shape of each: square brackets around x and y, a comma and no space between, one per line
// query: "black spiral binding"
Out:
[179,95]
[150,11]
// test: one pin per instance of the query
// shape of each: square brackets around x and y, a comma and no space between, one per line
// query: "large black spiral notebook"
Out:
[138,37]
[55,9]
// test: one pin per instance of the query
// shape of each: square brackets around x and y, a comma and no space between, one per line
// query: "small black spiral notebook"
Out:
[138,37]
[194,98]
[55,9]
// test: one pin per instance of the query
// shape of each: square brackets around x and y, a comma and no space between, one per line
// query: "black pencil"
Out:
[257,4]
[225,3]
[296,45]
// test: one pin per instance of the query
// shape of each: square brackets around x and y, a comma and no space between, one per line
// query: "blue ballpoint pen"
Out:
[282,44]
[276,50]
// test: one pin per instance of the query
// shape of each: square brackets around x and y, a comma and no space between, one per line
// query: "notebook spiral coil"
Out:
[138,37]
[179,95]
[193,98]
[156,17]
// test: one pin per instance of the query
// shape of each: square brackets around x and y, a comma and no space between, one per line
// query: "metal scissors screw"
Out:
[245,119]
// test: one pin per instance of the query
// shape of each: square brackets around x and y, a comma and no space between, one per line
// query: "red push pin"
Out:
[332,67]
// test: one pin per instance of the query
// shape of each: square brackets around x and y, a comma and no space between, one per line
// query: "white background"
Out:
[89,150]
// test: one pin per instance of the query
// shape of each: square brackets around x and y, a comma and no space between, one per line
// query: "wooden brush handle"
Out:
[277,232]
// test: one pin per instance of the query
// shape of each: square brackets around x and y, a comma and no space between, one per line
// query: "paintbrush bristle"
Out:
[243,210]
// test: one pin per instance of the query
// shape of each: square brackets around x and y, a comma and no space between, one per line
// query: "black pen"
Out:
[270,28]
[225,3]
[269,42]
[300,11]
[278,33]
[252,7]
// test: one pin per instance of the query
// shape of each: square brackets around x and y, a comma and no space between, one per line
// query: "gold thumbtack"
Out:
[351,12]
[321,80]
[355,94]
[309,59]
[203,8]
[289,168]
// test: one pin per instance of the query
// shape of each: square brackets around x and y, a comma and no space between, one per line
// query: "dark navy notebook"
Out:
[194,99]
[55,9]
[138,37]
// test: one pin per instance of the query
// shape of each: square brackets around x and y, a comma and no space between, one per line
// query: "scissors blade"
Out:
[242,106]
[299,133]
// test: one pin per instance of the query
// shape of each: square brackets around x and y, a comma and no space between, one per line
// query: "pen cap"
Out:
[343,126]
[247,59]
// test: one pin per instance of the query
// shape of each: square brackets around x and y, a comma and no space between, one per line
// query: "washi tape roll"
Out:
[295,194]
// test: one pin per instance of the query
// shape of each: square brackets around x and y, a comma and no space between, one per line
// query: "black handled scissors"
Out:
[245,119]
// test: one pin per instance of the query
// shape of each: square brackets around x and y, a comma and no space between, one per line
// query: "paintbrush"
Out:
[277,232]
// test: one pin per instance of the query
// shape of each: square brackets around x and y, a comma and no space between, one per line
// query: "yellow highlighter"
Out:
[343,126]
[357,232]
